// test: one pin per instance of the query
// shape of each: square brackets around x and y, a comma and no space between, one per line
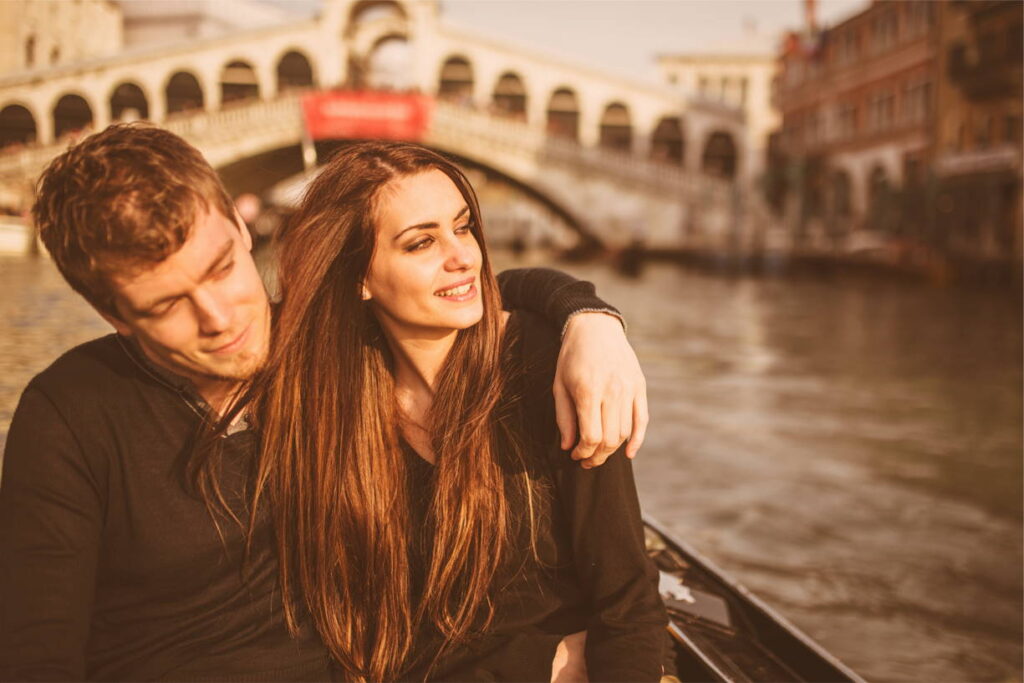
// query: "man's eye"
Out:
[226,268]
[163,309]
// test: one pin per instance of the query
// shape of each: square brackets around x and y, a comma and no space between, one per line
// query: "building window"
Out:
[917,102]
[30,51]
[884,31]
[882,111]
[846,121]
[54,55]
[1015,44]
[919,16]
[673,79]
[702,85]
[1012,132]
[983,133]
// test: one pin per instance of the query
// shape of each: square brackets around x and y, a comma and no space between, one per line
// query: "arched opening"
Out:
[842,206]
[238,83]
[616,129]
[293,72]
[17,126]
[128,103]
[719,157]
[71,114]
[667,141]
[374,10]
[389,65]
[456,82]
[183,93]
[564,115]
[510,97]
[879,200]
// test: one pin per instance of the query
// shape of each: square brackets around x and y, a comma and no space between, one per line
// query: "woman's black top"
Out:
[593,575]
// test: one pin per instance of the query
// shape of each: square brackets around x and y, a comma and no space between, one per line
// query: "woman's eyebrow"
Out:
[427,226]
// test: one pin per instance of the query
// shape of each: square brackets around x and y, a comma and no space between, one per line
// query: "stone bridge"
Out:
[617,159]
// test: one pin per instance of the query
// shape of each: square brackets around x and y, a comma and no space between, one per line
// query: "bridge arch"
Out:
[564,114]
[238,82]
[616,130]
[720,156]
[71,113]
[366,11]
[17,125]
[667,141]
[389,64]
[183,92]
[128,101]
[294,70]
[455,81]
[509,98]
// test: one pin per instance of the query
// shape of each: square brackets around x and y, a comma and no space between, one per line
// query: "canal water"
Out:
[848,449]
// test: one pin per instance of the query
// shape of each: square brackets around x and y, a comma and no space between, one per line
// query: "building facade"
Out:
[737,79]
[901,132]
[858,113]
[977,212]
[40,35]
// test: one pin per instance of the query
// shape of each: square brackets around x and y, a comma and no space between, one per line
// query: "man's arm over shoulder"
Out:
[51,516]
[600,391]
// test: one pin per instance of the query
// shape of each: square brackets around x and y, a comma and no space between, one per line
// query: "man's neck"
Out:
[218,393]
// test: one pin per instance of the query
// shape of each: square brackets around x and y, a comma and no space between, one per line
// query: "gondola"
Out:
[721,632]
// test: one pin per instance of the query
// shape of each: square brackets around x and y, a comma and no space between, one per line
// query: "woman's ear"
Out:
[364,293]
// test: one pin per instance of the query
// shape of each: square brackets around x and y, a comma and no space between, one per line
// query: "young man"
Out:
[111,566]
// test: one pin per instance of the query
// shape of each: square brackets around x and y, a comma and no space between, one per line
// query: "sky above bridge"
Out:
[625,36]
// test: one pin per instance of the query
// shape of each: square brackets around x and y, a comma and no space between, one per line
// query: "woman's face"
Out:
[424,276]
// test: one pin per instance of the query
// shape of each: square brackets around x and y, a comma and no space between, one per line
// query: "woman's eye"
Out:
[420,244]
[463,229]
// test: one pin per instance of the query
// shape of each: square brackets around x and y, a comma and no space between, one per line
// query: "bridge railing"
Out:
[478,131]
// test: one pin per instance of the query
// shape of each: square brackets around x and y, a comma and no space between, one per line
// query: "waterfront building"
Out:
[901,133]
[858,110]
[978,131]
[39,35]
[738,77]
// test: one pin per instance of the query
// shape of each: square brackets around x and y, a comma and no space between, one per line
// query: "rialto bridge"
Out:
[615,158]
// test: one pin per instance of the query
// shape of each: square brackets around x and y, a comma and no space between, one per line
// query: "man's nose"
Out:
[213,314]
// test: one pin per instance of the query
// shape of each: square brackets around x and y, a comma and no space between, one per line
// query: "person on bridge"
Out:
[115,561]
[427,519]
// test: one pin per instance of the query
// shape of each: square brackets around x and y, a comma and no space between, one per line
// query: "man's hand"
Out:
[600,391]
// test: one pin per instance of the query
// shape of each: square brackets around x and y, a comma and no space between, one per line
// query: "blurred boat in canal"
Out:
[15,235]
[721,632]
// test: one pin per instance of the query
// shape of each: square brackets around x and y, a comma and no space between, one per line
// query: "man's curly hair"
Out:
[122,200]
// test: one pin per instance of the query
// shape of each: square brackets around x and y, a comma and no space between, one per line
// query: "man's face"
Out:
[202,312]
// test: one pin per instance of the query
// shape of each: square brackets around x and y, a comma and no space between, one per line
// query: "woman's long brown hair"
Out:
[330,462]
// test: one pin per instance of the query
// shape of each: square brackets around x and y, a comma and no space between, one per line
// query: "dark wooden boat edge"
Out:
[826,667]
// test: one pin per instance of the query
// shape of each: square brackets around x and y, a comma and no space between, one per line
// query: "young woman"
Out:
[426,520]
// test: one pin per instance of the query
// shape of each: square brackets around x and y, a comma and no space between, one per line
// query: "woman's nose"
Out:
[461,255]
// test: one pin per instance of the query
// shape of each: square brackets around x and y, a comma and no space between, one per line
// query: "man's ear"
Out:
[242,228]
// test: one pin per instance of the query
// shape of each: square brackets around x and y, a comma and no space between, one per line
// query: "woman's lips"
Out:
[459,291]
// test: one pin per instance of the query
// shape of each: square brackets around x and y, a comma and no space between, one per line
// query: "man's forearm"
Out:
[550,293]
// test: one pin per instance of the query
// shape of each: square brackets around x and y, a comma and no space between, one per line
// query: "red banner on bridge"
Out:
[366,115]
